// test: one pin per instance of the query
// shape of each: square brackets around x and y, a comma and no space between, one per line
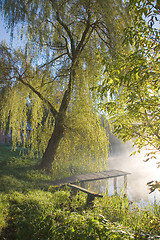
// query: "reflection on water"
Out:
[141,173]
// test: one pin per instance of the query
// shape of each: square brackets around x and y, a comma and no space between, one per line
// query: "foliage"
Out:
[37,210]
[148,9]
[130,89]
[48,81]
[82,126]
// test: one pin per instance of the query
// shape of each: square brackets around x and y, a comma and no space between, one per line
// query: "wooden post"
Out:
[90,195]
[115,186]
[125,185]
[107,186]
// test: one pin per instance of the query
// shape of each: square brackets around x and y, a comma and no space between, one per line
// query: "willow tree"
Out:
[53,74]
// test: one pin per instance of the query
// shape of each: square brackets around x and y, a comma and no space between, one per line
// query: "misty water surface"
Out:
[141,172]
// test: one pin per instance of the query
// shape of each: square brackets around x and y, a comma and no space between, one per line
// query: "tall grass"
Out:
[31,208]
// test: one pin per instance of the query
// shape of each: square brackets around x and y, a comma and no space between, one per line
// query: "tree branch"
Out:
[67,94]
[66,28]
[58,76]
[67,47]
[86,41]
[52,60]
[52,109]
[84,34]
[108,45]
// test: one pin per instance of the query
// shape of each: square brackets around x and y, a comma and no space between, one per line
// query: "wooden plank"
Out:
[90,177]
[84,190]
[103,175]
[125,185]
[84,177]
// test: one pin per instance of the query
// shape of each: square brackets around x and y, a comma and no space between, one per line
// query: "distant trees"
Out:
[55,71]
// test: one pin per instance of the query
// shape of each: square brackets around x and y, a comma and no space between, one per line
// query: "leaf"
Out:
[146,160]
[133,153]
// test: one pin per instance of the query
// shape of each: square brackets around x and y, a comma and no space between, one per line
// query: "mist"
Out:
[141,172]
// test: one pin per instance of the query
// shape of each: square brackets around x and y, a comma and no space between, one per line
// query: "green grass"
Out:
[32,209]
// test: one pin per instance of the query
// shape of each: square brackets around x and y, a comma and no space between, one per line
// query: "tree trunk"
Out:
[58,132]
[50,152]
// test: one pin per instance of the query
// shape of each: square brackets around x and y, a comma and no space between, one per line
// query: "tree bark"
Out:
[58,132]
[50,152]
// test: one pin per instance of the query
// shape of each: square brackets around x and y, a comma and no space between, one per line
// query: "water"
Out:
[141,172]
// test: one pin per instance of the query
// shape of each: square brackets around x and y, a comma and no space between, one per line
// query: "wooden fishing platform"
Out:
[88,177]
[91,177]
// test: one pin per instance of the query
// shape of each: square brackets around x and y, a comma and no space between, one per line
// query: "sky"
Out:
[3,32]
[5,35]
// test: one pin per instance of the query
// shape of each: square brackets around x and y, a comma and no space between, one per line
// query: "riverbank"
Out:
[30,208]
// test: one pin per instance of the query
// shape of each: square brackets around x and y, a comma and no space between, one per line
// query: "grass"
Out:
[31,209]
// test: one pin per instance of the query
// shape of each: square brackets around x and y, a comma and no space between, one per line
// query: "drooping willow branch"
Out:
[52,109]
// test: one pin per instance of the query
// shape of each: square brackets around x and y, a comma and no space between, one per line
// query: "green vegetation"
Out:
[130,88]
[30,208]
[48,81]
[130,92]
